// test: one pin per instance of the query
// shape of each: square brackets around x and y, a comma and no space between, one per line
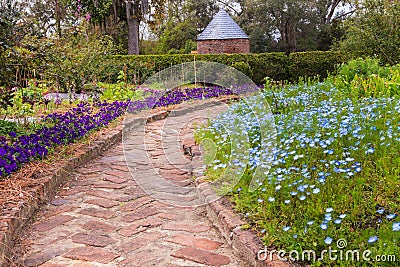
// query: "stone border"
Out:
[245,242]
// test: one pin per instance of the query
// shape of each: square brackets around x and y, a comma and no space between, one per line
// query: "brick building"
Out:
[223,35]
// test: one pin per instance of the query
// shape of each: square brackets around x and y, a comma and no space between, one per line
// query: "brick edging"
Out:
[12,228]
[245,242]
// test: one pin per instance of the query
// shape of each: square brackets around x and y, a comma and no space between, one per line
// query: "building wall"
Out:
[230,46]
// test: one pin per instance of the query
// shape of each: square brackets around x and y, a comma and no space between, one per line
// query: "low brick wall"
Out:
[229,46]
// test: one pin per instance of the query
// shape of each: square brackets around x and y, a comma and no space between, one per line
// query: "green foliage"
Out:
[7,127]
[363,68]
[147,47]
[16,65]
[45,17]
[173,39]
[6,97]
[311,64]
[375,31]
[68,64]
[367,78]
[32,94]
[10,13]
[121,90]
[243,67]
[11,129]
[75,61]
[277,66]
[117,91]
[190,46]
[98,10]
[21,102]
[18,103]
[175,24]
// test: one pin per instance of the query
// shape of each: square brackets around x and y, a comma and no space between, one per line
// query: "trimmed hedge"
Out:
[277,66]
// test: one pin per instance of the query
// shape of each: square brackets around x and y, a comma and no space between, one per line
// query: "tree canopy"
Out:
[375,31]
[172,26]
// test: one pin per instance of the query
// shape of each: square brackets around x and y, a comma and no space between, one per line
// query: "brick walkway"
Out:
[102,217]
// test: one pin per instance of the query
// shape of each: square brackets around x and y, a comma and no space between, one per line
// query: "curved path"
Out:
[102,217]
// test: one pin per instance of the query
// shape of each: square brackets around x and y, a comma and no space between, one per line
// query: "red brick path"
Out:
[102,217]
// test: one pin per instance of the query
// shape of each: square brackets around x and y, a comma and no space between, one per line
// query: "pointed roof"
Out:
[222,27]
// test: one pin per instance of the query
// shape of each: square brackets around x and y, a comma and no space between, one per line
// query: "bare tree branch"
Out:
[346,14]
[228,6]
[332,8]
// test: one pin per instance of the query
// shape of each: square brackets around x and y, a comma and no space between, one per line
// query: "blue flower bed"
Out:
[334,172]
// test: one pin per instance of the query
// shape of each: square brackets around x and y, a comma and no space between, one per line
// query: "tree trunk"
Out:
[115,15]
[58,20]
[133,30]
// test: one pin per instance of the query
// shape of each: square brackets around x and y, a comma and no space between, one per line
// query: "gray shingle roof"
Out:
[222,27]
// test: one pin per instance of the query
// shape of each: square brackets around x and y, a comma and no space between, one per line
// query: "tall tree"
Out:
[9,36]
[46,17]
[375,31]
[102,13]
[135,12]
[182,22]
[290,25]
[10,31]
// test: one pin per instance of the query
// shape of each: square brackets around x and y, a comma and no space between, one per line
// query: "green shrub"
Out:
[367,78]
[66,64]
[311,64]
[363,68]
[72,65]
[6,97]
[119,91]
[75,61]
[277,66]
[16,66]
[11,129]
[243,67]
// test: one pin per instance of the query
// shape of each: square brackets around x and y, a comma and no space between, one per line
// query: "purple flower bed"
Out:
[173,97]
[65,129]
[77,122]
